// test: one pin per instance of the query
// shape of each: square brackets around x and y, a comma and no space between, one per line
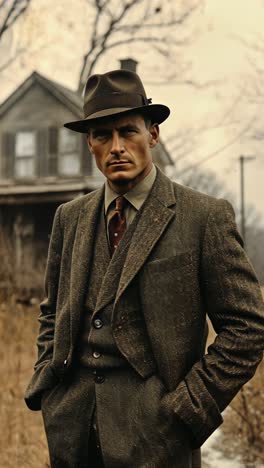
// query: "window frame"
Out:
[25,157]
[63,151]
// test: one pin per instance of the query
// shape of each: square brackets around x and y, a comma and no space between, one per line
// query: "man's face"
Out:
[122,149]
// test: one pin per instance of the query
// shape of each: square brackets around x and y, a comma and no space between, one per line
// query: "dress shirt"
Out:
[136,197]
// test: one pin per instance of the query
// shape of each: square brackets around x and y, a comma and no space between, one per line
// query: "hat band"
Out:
[109,101]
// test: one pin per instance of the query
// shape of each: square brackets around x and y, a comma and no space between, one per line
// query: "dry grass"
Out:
[243,429]
[22,442]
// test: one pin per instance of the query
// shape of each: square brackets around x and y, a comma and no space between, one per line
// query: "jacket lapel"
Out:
[154,219]
[82,256]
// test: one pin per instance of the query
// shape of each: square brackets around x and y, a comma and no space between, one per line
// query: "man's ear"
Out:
[88,141]
[153,135]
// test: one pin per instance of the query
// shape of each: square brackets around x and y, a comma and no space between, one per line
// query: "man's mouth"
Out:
[118,163]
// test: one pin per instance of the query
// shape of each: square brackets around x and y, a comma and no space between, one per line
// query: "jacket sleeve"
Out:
[43,376]
[234,303]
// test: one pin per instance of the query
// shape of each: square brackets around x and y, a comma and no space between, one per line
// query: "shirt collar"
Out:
[137,195]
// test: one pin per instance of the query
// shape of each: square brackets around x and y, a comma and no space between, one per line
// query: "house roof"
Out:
[68,97]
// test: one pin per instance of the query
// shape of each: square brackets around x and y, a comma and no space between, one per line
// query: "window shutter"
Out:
[52,167]
[42,153]
[86,157]
[8,154]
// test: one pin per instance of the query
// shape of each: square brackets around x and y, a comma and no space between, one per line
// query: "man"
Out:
[133,268]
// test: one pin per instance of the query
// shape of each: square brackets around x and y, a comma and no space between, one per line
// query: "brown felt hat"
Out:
[114,93]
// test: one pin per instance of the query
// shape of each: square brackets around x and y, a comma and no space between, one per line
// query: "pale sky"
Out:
[217,56]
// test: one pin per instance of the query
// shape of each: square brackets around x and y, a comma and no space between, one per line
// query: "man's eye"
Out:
[129,131]
[100,136]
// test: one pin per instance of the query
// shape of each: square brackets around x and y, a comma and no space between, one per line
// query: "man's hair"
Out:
[147,121]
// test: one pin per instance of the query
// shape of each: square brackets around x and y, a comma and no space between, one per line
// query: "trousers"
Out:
[95,459]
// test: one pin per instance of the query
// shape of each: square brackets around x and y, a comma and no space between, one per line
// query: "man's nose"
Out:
[117,144]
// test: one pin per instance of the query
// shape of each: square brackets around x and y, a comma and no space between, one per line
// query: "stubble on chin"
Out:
[122,182]
[121,185]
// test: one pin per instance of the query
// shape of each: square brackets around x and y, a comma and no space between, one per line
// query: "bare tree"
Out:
[242,132]
[123,22]
[10,12]
[204,181]
[255,236]
[253,91]
[207,182]
[245,418]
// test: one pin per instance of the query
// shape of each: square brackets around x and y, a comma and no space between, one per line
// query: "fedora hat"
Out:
[114,93]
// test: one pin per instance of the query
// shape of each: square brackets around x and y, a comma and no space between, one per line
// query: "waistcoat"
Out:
[97,348]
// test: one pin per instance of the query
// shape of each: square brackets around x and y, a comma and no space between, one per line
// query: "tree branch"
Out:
[2,4]
[221,149]
[135,39]
[168,24]
[100,43]
[11,60]
[15,11]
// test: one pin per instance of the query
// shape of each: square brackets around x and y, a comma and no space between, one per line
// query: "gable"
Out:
[36,107]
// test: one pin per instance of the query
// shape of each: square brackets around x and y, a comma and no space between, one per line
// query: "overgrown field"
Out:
[23,442]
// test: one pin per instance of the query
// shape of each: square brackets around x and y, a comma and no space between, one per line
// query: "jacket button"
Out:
[96,355]
[99,379]
[98,323]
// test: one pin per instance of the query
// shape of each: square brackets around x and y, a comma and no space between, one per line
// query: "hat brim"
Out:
[156,112]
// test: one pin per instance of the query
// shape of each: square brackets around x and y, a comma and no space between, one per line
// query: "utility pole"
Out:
[242,160]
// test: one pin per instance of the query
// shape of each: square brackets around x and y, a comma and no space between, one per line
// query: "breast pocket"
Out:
[176,262]
[170,285]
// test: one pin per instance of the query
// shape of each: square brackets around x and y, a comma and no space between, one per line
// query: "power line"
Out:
[219,150]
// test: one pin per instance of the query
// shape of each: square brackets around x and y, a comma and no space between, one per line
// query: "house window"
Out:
[69,154]
[25,151]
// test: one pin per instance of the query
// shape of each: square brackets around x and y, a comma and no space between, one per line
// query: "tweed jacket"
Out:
[187,260]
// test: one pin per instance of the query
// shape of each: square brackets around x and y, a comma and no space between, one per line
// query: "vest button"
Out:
[99,379]
[98,323]
[96,355]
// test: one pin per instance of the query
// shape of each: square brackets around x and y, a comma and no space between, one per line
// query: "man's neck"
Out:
[122,189]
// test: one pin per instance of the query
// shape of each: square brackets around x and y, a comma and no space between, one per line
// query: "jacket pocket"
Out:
[162,265]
